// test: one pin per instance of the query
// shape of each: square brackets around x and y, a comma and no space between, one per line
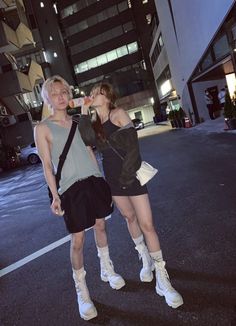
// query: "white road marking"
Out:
[37,254]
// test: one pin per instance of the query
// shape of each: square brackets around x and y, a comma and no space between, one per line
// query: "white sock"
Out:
[103,252]
[157,255]
[138,240]
[78,271]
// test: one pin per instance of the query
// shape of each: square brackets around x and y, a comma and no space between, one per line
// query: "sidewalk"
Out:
[217,126]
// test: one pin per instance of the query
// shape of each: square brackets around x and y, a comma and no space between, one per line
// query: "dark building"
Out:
[16,81]
[110,40]
[89,41]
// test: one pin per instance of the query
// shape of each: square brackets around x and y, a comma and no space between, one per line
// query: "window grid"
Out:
[101,38]
[106,57]
[95,19]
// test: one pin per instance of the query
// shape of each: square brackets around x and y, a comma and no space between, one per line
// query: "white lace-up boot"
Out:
[87,309]
[107,270]
[164,287]
[146,273]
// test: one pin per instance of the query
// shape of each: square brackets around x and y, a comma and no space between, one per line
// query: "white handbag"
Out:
[145,173]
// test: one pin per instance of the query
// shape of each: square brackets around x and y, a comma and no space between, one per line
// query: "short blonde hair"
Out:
[47,86]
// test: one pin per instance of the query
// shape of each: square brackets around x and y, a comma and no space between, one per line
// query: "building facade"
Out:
[16,81]
[110,41]
[198,51]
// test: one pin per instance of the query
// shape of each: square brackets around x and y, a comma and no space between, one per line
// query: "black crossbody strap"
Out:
[114,150]
[65,151]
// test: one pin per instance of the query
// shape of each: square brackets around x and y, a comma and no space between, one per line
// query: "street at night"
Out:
[193,202]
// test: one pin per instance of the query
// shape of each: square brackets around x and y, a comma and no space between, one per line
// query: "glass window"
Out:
[92,20]
[207,61]
[101,16]
[128,27]
[82,25]
[122,6]
[117,31]
[92,63]
[233,30]
[101,59]
[111,55]
[112,11]
[122,51]
[221,47]
[160,41]
[133,47]
[149,18]
[83,66]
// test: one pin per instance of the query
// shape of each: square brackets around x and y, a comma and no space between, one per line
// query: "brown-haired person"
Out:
[83,198]
[114,127]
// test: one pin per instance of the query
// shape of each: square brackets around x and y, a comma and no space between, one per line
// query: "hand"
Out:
[87,103]
[56,207]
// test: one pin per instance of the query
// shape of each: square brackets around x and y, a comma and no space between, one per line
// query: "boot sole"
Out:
[170,304]
[147,279]
[84,317]
[115,287]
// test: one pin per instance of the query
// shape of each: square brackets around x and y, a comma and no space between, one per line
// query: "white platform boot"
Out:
[87,309]
[164,287]
[107,270]
[146,273]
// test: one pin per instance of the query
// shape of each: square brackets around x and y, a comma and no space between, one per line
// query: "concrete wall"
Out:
[196,23]
[147,113]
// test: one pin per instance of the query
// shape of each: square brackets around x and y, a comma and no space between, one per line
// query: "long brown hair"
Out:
[107,90]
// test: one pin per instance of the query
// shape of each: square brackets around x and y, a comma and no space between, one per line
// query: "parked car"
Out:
[30,154]
[138,124]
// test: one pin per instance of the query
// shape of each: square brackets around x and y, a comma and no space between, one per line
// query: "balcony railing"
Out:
[10,3]
[11,40]
[15,82]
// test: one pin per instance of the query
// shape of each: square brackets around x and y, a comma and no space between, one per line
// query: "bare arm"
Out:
[120,117]
[42,141]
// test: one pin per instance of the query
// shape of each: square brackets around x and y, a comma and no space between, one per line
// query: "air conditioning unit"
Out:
[7,120]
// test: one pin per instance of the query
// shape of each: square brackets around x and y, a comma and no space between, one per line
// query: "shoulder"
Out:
[42,127]
[120,117]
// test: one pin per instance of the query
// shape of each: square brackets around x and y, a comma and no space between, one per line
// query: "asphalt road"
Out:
[193,201]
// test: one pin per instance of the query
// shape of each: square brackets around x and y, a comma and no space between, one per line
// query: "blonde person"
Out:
[83,197]
[116,133]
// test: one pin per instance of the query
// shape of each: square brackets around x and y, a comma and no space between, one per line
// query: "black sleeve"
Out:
[86,130]
[127,139]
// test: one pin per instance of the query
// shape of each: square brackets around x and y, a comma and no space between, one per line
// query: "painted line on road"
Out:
[33,256]
[37,254]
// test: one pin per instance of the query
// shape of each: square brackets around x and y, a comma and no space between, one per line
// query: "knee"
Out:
[77,243]
[147,228]
[130,216]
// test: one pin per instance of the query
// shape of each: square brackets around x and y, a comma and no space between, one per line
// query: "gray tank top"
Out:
[78,164]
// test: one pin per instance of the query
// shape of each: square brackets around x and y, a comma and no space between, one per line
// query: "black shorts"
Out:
[84,202]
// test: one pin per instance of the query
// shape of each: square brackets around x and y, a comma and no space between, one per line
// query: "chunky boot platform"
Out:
[164,287]
[87,309]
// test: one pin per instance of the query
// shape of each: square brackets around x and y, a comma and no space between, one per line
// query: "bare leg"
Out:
[76,250]
[163,286]
[126,209]
[143,212]
[100,234]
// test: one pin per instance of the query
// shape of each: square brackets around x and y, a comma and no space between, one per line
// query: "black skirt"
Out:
[112,167]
